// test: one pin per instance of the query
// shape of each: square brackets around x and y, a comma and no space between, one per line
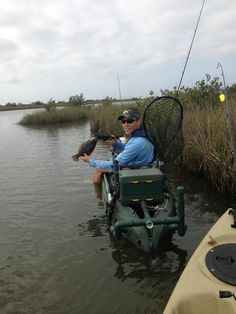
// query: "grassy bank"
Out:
[63,115]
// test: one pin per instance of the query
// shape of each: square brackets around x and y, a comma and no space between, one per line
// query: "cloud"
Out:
[54,49]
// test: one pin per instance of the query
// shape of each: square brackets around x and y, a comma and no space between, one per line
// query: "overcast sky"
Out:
[60,48]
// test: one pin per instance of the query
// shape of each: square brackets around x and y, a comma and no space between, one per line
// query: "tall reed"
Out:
[104,120]
[207,147]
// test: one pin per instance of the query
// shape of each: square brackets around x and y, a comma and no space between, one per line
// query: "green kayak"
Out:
[140,209]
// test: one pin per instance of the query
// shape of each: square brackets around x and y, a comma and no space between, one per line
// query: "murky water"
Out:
[56,255]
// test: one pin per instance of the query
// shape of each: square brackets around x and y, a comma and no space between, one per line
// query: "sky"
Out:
[61,48]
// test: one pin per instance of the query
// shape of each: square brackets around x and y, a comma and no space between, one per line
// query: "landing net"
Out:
[162,122]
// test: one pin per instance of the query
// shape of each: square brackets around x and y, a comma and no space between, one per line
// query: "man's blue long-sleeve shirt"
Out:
[136,152]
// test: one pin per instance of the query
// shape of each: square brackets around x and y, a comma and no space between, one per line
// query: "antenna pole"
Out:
[118,81]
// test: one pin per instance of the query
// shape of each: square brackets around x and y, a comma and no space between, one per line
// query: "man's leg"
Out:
[97,176]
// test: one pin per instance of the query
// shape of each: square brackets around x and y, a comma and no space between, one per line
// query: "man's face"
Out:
[129,127]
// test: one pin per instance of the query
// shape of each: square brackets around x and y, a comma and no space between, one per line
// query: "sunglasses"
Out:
[129,121]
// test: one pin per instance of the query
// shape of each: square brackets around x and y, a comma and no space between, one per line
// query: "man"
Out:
[137,151]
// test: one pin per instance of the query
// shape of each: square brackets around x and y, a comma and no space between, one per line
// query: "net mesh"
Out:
[162,122]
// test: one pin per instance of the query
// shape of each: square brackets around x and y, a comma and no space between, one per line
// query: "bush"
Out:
[77,100]
[205,93]
[107,102]
[51,106]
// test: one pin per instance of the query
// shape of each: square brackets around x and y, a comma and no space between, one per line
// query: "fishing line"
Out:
[195,31]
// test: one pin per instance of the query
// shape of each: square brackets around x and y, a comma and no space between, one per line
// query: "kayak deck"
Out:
[198,289]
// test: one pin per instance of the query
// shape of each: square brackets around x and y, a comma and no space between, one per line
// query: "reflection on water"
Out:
[149,276]
[169,260]
[57,255]
[96,227]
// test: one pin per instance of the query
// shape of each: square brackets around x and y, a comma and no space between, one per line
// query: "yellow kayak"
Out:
[208,283]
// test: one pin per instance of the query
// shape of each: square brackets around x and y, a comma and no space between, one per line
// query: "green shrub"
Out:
[51,106]
[107,102]
[77,100]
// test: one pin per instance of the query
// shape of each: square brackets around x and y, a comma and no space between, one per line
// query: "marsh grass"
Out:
[104,120]
[63,115]
[207,147]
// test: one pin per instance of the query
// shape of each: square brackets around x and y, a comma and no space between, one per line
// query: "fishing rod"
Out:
[190,48]
[228,113]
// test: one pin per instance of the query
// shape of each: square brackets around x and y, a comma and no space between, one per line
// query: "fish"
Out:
[86,148]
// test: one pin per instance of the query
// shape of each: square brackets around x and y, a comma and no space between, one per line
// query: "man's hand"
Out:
[112,141]
[85,158]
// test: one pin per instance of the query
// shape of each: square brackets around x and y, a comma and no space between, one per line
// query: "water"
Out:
[56,253]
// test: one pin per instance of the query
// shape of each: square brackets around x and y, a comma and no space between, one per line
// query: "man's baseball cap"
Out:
[131,113]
